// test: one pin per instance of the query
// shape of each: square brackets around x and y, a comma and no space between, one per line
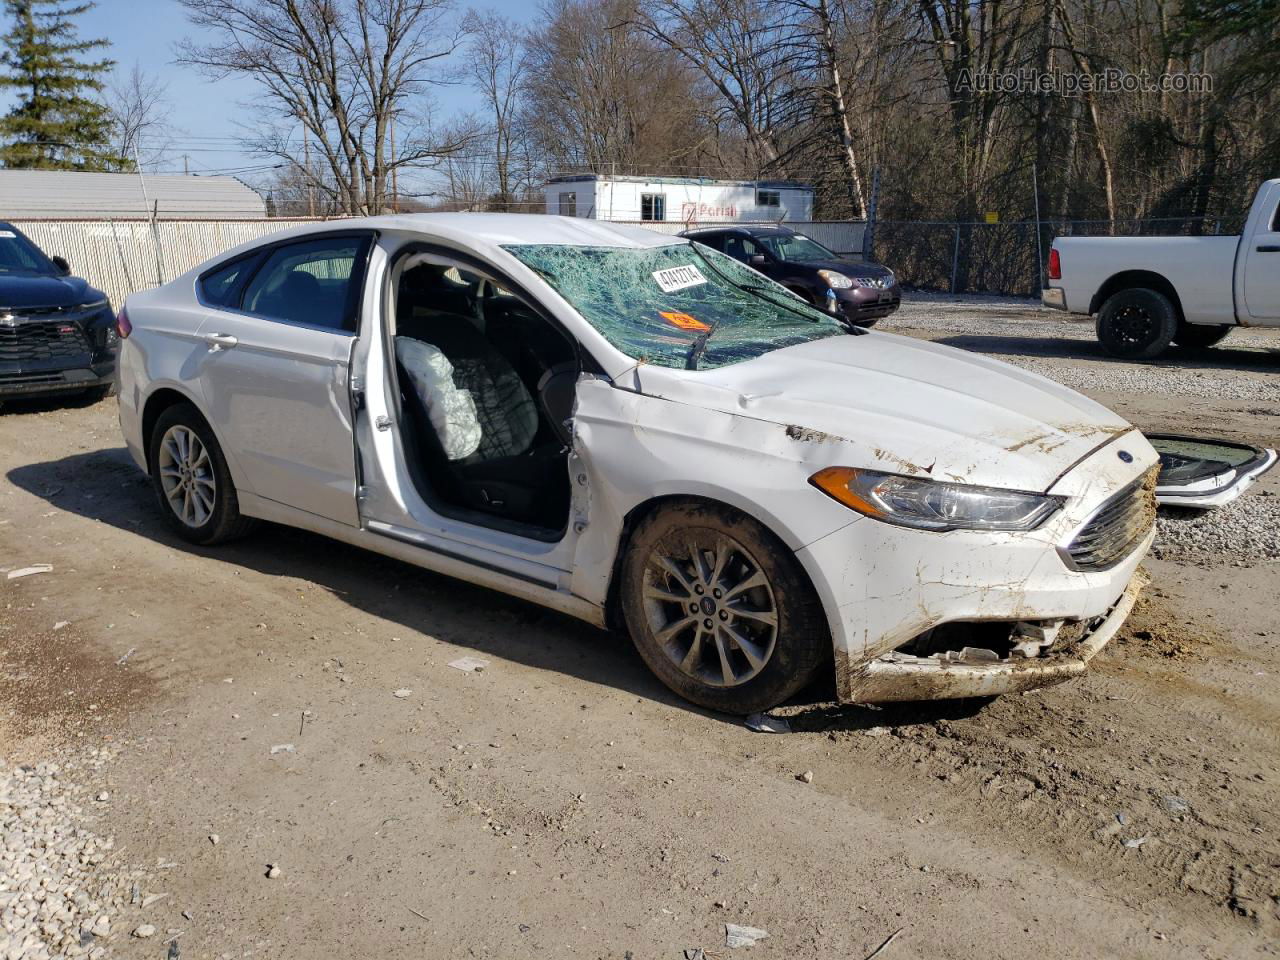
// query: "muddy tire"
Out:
[1137,324]
[1199,335]
[720,609]
[190,477]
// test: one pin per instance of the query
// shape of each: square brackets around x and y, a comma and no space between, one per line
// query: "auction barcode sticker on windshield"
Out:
[677,278]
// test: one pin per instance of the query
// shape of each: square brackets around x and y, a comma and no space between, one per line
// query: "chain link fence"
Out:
[1001,258]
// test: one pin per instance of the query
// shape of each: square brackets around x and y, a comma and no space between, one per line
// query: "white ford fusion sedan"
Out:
[646,434]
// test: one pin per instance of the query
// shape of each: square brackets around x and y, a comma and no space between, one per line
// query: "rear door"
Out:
[1261,261]
[276,371]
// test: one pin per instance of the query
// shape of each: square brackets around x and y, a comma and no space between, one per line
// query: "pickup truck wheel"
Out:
[1200,335]
[720,609]
[1137,324]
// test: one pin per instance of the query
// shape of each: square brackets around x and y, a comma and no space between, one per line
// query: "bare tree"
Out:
[345,70]
[602,96]
[496,64]
[741,48]
[138,103]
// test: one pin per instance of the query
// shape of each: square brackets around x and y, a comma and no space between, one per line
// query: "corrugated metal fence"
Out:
[123,256]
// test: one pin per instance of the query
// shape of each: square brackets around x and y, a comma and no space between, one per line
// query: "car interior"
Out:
[740,248]
[486,394]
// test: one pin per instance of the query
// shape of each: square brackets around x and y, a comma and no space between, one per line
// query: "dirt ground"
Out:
[561,803]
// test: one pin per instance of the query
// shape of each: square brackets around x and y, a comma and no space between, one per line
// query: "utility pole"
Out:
[1035,192]
[395,170]
[306,160]
[186,166]
[152,211]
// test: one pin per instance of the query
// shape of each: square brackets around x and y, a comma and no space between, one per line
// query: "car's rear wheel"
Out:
[1137,324]
[191,479]
[720,609]
[1200,335]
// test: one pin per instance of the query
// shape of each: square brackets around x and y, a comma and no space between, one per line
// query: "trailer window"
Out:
[653,206]
[768,198]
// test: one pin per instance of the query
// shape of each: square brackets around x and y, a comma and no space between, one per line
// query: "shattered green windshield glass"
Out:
[654,303]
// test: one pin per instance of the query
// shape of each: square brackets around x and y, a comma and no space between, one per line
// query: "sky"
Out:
[206,114]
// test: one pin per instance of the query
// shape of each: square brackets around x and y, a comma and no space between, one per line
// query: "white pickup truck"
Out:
[1148,292]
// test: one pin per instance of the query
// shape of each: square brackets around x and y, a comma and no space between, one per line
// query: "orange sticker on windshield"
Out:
[683,321]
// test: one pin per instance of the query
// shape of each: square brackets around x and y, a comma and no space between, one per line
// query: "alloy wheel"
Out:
[1134,325]
[186,475]
[710,607]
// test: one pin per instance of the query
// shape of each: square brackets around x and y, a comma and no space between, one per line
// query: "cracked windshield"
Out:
[682,305]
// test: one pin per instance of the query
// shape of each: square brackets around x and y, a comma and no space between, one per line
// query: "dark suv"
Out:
[57,333]
[861,292]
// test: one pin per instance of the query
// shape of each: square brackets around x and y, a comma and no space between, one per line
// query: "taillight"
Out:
[1055,265]
[123,326]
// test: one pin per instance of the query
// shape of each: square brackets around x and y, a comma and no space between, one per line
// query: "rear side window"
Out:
[220,287]
[310,282]
[713,240]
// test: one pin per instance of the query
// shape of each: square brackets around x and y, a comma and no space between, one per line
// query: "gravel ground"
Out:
[995,316]
[1127,378]
[61,888]
[1241,533]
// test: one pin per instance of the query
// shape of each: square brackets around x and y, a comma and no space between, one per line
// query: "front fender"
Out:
[635,448]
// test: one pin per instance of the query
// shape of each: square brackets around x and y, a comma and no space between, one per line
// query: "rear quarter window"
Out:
[221,287]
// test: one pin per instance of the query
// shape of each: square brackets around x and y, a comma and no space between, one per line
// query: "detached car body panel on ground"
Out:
[57,333]
[859,291]
[1150,291]
[748,487]
[1202,474]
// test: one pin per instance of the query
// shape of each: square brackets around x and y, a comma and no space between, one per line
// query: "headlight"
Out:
[837,281]
[932,504]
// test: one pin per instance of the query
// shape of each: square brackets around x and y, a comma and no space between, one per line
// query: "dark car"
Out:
[57,333]
[861,292]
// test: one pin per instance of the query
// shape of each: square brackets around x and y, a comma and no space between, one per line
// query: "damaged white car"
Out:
[644,433]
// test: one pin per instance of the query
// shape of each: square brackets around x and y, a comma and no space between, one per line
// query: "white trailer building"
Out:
[683,200]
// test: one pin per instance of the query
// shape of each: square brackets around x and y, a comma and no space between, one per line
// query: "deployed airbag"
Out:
[452,411]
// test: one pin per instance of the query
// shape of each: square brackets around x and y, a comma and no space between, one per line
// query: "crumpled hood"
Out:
[911,407]
[18,291]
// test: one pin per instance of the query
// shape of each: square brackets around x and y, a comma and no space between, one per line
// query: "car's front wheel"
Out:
[191,479]
[720,609]
[1137,324]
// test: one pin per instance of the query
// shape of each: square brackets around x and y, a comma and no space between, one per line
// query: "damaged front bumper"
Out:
[901,676]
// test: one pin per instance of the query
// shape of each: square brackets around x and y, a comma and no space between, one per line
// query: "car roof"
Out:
[748,230]
[499,229]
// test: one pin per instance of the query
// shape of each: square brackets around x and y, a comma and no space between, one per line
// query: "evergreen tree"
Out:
[56,124]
